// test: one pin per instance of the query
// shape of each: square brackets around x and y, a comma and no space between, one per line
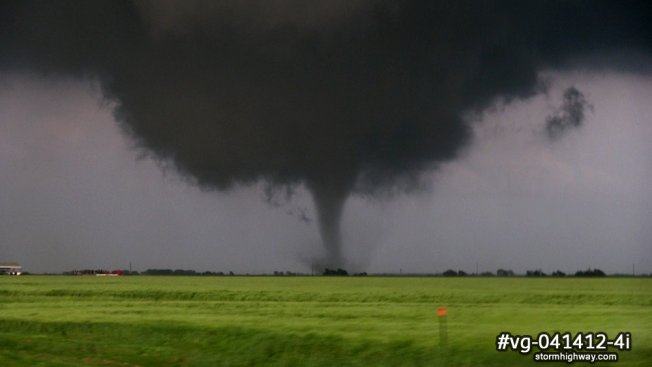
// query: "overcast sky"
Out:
[75,195]
[415,136]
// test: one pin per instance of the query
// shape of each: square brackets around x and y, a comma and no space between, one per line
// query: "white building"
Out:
[10,268]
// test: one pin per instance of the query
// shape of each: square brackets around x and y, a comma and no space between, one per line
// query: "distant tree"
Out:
[558,273]
[590,273]
[450,273]
[535,273]
[462,273]
[338,272]
[486,274]
[598,273]
[504,273]
[158,272]
[170,272]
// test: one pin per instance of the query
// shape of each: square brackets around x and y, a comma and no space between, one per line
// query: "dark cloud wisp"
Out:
[569,116]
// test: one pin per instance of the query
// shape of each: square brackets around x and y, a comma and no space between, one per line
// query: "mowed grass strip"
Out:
[311,321]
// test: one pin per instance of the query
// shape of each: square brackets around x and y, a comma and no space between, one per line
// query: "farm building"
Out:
[10,268]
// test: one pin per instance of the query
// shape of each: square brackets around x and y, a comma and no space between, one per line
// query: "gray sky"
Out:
[75,195]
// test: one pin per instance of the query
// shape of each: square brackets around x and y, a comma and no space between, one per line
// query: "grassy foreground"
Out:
[306,321]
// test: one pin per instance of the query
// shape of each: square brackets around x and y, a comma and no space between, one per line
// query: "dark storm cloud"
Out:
[344,97]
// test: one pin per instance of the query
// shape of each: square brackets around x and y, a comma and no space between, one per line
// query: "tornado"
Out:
[344,97]
[329,199]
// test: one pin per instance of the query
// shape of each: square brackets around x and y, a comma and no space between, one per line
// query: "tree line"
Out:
[529,273]
[343,272]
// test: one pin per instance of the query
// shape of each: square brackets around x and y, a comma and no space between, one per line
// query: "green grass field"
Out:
[306,321]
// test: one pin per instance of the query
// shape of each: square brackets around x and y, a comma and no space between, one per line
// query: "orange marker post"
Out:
[443,328]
